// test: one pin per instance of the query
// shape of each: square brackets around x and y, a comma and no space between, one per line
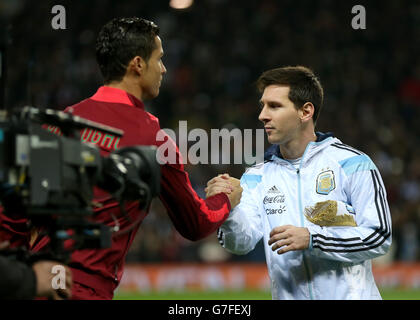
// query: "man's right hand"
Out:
[44,281]
[229,185]
[44,275]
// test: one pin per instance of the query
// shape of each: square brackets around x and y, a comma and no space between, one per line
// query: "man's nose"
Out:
[264,116]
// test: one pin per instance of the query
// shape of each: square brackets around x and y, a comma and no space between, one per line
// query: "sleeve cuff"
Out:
[310,241]
[223,198]
[312,232]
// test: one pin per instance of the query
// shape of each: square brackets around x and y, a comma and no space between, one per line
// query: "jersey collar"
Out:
[115,95]
[274,150]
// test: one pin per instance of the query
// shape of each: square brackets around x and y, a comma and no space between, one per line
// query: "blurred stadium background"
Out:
[214,51]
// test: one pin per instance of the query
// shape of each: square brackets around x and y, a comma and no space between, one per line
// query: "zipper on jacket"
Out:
[305,262]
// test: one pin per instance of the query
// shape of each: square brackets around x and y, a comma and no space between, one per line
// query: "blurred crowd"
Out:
[214,52]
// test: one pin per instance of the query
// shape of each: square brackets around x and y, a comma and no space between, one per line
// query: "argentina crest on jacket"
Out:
[325,182]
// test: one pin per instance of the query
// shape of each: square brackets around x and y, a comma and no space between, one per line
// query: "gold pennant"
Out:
[325,214]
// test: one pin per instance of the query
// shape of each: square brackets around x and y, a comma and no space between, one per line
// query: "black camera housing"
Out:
[49,178]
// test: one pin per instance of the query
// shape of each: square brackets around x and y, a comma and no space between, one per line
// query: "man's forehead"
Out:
[275,92]
[158,43]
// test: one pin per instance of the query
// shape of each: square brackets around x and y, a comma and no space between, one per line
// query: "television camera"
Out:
[49,178]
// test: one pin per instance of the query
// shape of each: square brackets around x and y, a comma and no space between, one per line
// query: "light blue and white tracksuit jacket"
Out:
[337,264]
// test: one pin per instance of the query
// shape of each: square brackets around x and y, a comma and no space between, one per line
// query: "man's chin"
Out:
[155,93]
[272,140]
[151,95]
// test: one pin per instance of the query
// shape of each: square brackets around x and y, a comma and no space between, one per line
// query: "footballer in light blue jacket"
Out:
[319,205]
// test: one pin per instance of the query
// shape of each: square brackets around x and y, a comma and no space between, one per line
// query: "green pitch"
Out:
[387,294]
[192,295]
[400,294]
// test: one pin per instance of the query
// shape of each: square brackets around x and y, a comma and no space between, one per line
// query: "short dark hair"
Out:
[119,41]
[304,86]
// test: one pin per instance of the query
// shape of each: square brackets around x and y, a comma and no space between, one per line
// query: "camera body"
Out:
[49,178]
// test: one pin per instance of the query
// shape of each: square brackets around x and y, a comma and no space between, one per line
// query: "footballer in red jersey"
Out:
[129,52]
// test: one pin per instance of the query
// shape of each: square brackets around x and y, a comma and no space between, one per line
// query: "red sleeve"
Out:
[14,228]
[193,217]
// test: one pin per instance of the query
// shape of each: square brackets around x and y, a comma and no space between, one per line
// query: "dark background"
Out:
[214,52]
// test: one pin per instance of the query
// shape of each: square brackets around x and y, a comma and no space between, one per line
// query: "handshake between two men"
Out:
[226,184]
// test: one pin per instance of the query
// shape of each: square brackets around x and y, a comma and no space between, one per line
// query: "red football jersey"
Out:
[97,272]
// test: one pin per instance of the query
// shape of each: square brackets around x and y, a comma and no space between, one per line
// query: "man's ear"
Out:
[307,112]
[137,64]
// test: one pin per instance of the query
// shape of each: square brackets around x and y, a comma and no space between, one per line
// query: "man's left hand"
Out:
[289,238]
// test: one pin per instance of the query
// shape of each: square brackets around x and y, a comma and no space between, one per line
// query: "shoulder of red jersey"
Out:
[77,105]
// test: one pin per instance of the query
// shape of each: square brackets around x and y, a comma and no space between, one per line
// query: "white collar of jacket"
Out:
[323,140]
